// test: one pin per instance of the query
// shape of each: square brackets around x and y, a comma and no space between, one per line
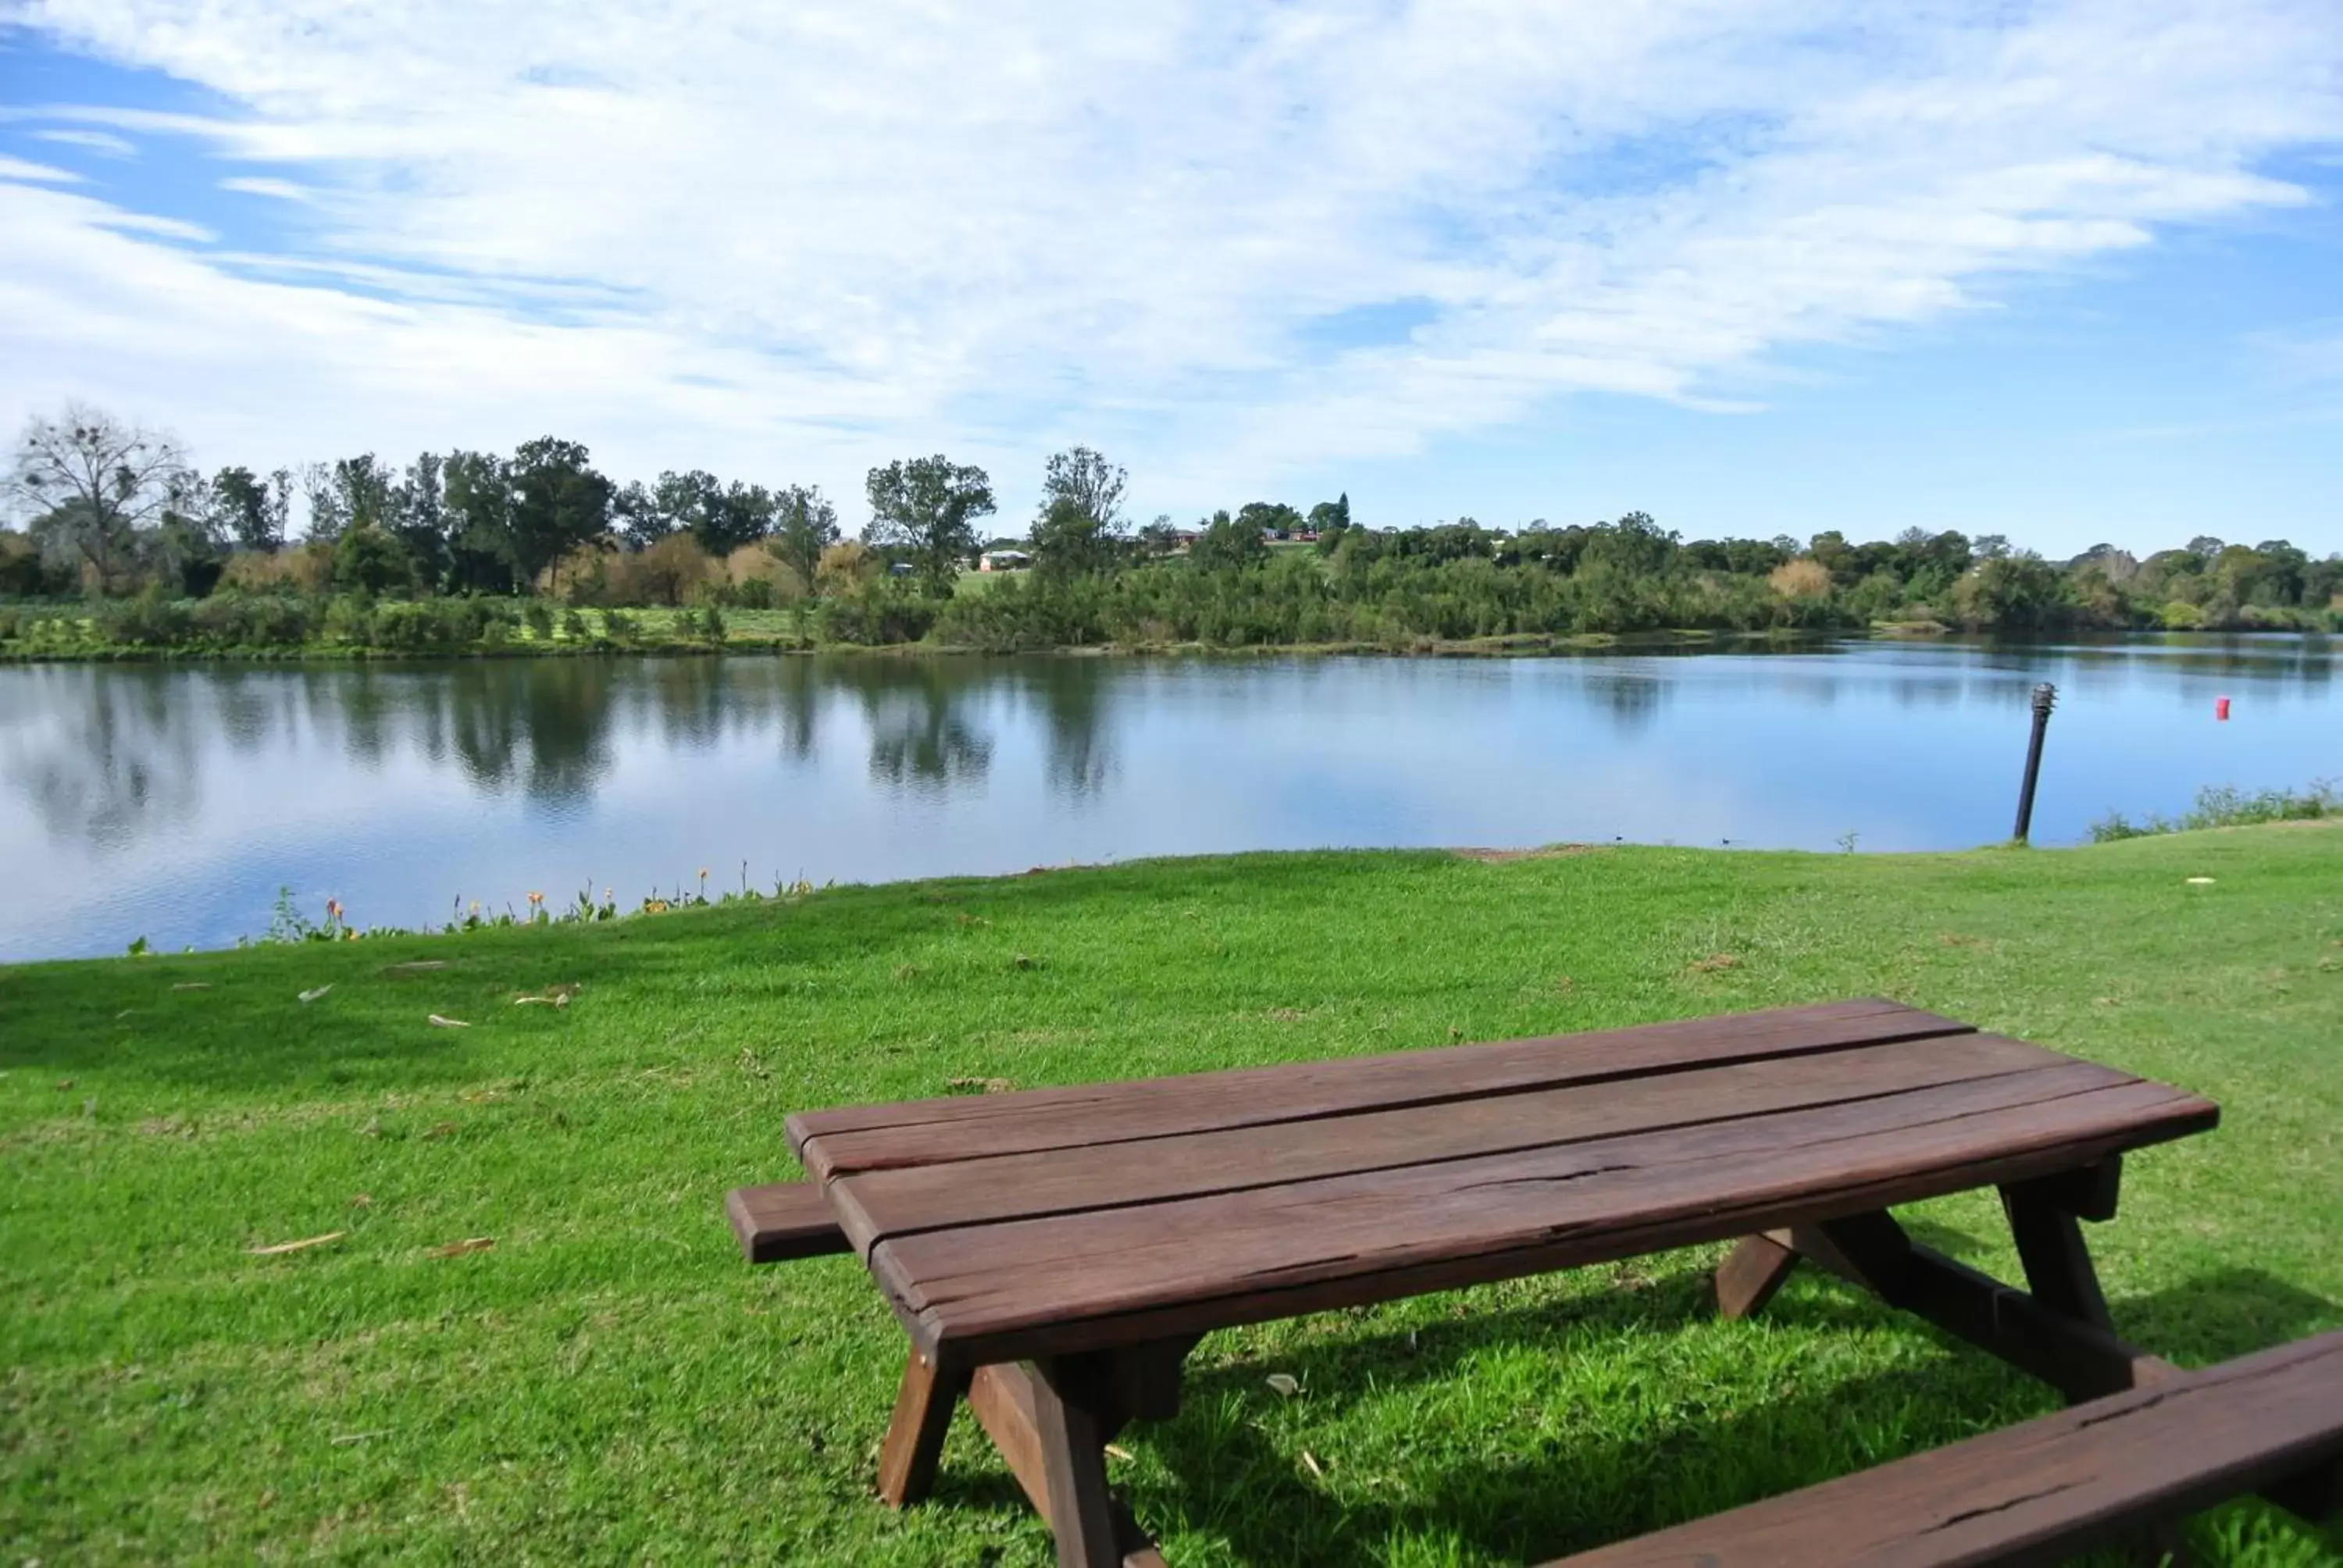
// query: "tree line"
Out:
[110,511]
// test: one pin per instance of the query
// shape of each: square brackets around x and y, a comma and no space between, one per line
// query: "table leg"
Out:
[1073,1415]
[915,1437]
[1052,1426]
[2050,1245]
[2080,1358]
[1753,1272]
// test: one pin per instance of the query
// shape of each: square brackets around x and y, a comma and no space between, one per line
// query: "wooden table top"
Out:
[1059,1220]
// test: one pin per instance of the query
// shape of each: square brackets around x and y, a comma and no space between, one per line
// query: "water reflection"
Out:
[923,728]
[200,791]
[105,762]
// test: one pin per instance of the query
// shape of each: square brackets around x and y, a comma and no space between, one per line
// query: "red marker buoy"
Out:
[2221,709]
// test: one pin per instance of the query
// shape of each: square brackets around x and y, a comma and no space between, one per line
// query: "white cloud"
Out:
[789,241]
[19,169]
[261,185]
[103,142]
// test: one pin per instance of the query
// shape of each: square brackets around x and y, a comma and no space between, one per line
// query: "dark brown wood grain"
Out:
[1073,1417]
[2078,1355]
[2058,1270]
[915,1436]
[865,1137]
[782,1221]
[1753,1272]
[1001,1396]
[889,1203]
[1270,1253]
[2041,1491]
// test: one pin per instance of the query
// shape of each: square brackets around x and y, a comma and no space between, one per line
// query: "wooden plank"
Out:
[878,1204]
[2050,1247]
[915,1436]
[783,1221]
[1752,1273]
[863,1138]
[1001,1396]
[1123,1275]
[1072,1414]
[2089,1194]
[2042,1491]
[2080,1357]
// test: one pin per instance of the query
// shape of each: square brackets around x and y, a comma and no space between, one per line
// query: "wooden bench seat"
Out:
[2041,1491]
[782,1221]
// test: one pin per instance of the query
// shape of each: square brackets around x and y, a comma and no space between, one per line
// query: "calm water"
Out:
[174,803]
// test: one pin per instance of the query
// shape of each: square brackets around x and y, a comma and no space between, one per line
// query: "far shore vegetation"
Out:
[125,548]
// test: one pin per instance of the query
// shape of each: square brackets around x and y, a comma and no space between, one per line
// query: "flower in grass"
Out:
[537,898]
[333,908]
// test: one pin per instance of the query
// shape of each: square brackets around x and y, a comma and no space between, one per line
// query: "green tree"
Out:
[1270,517]
[420,519]
[348,493]
[1080,530]
[248,510]
[1635,546]
[2016,591]
[1333,514]
[559,502]
[805,524]
[371,560]
[1227,544]
[721,517]
[927,508]
[479,504]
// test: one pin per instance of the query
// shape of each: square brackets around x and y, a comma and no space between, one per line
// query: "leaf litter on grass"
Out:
[281,1248]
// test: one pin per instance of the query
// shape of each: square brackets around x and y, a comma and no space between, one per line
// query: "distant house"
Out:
[1003,561]
[902,568]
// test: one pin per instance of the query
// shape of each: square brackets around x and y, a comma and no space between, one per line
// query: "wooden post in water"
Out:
[2046,696]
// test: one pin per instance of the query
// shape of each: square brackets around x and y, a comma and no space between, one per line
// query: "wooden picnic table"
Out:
[1054,1254]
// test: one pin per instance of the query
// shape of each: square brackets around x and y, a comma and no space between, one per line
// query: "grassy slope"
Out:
[609,1382]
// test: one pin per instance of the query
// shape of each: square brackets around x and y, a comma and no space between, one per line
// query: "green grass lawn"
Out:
[608,1381]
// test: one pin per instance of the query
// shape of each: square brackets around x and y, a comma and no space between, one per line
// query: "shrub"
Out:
[619,626]
[150,620]
[574,626]
[539,616]
[759,579]
[369,560]
[350,622]
[2227,805]
[302,568]
[668,573]
[843,565]
[2182,615]
[253,620]
[879,610]
[1804,578]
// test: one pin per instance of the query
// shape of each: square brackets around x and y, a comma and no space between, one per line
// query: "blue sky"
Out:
[2070,271]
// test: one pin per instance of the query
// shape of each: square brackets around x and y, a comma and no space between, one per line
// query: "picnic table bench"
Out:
[1054,1254]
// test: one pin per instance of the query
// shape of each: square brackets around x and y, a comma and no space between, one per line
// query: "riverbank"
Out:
[529,1333]
[683,633]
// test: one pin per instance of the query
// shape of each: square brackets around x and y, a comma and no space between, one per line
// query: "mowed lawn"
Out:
[608,1381]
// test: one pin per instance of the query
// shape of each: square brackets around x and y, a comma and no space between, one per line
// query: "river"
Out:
[172,803]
